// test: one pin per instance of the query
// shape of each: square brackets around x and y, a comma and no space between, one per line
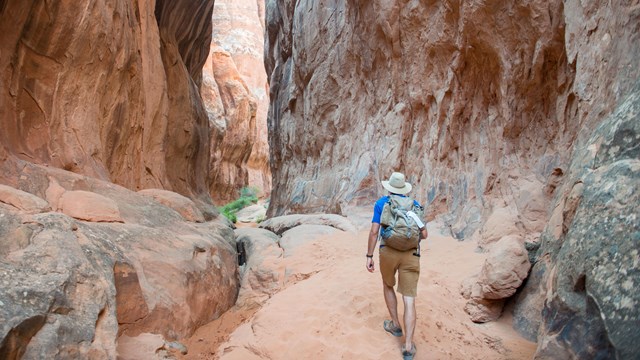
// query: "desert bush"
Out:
[248,196]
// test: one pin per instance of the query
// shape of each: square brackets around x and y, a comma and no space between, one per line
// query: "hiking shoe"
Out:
[390,328]
[408,354]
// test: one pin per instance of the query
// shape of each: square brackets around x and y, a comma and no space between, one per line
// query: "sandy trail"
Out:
[335,310]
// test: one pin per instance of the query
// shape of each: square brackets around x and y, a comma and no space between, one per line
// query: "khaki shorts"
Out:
[406,264]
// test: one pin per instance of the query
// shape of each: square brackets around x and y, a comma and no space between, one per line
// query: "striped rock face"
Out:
[496,112]
[236,96]
[108,90]
[98,99]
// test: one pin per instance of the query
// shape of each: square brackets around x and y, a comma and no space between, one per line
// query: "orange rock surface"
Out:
[111,262]
[508,117]
[235,91]
[109,91]
[94,96]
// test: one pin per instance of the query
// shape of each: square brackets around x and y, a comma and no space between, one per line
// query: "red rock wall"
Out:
[102,92]
[108,89]
[468,99]
[575,301]
[235,93]
[508,117]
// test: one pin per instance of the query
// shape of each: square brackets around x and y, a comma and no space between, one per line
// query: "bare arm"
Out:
[371,246]
[423,233]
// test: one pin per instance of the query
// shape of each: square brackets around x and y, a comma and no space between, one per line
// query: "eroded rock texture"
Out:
[235,94]
[488,107]
[591,268]
[108,89]
[462,97]
[91,94]
[72,282]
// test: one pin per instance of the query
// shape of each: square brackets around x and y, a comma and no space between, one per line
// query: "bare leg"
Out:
[409,320]
[392,303]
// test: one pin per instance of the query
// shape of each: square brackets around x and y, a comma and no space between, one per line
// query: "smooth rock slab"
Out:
[253,213]
[85,205]
[23,200]
[183,205]
[281,224]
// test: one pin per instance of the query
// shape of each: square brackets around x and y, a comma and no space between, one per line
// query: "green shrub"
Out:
[229,215]
[247,197]
[249,192]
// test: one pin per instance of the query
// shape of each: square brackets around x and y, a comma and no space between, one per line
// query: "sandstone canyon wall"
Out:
[459,96]
[94,95]
[235,93]
[511,118]
[108,90]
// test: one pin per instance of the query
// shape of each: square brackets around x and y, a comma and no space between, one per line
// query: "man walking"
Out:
[405,262]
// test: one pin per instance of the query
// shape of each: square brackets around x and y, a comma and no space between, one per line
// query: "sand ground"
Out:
[336,310]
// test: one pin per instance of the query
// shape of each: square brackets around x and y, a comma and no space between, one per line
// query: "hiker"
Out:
[403,258]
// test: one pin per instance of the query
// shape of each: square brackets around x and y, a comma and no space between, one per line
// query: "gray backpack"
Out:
[400,231]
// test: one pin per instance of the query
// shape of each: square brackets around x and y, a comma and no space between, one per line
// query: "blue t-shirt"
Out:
[377,208]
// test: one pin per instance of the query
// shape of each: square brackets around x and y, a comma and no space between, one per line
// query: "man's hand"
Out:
[423,233]
[370,265]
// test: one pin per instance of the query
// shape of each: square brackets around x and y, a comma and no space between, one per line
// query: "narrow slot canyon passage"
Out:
[329,307]
[233,179]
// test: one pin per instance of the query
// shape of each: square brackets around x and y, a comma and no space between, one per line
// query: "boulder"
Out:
[22,200]
[479,309]
[502,273]
[253,213]
[71,288]
[89,206]
[262,274]
[505,268]
[484,310]
[281,224]
[183,205]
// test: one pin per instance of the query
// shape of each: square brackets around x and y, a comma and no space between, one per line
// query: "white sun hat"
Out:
[397,184]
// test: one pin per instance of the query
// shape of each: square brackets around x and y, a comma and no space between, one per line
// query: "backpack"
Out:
[400,231]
